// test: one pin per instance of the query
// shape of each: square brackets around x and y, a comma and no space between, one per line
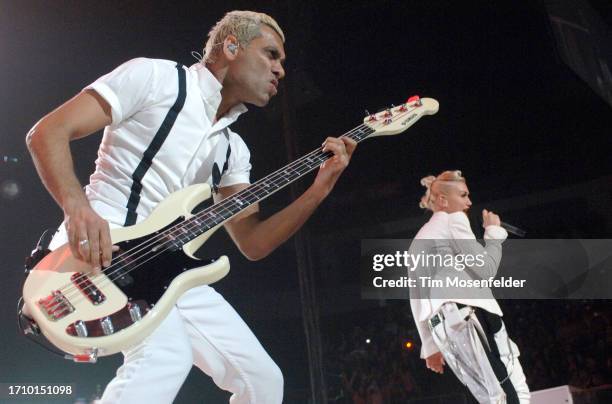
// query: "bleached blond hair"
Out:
[244,25]
[437,185]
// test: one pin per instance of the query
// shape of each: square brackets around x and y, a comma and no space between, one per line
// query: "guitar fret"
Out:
[263,188]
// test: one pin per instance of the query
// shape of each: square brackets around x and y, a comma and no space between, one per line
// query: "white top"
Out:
[445,228]
[140,93]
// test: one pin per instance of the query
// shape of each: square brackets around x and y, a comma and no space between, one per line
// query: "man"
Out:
[164,127]
[463,328]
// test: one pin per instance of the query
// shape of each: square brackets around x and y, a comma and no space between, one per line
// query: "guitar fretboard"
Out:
[217,214]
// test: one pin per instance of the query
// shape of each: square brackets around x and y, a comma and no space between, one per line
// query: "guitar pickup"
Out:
[86,286]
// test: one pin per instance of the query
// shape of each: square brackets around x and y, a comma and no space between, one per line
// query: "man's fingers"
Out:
[82,244]
[350,144]
[334,145]
[93,244]
[105,246]
[73,242]
[338,148]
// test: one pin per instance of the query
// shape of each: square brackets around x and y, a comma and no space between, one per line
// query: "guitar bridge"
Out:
[87,287]
[111,324]
[55,306]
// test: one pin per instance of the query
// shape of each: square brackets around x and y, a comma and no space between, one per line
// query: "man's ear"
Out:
[230,47]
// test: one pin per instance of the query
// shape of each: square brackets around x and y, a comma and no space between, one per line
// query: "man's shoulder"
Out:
[236,141]
[151,63]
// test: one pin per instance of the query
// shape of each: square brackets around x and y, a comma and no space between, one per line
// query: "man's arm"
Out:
[49,144]
[257,238]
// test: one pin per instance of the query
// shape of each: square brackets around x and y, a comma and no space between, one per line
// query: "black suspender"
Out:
[158,140]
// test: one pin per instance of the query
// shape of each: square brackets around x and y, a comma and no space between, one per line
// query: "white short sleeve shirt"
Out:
[141,94]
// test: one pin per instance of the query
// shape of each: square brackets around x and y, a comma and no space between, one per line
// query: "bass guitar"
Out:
[90,315]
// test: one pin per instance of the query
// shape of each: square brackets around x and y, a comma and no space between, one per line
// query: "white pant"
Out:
[464,353]
[203,329]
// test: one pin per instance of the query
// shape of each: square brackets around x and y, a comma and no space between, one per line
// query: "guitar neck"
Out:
[258,191]
[387,122]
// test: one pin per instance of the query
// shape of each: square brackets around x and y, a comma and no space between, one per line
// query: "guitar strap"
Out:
[158,140]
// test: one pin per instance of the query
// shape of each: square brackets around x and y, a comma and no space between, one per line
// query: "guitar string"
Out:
[275,176]
[56,301]
[278,174]
[193,222]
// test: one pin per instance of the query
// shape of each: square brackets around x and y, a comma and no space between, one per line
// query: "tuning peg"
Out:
[416,99]
[388,113]
[372,117]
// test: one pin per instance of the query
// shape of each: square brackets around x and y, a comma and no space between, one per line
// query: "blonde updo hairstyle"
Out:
[244,25]
[438,185]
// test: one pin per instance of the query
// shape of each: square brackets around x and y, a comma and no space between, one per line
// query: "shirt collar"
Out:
[210,89]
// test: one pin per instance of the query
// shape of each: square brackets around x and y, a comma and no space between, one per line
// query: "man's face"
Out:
[255,73]
[457,198]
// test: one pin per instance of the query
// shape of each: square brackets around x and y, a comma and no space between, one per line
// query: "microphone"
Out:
[513,229]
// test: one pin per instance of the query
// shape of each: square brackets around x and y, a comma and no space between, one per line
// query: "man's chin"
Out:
[261,102]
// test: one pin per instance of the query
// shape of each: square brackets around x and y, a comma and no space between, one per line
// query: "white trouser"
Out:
[509,354]
[203,329]
[465,354]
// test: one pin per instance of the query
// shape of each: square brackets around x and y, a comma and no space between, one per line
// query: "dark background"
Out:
[530,134]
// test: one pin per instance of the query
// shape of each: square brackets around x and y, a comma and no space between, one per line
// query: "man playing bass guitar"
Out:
[164,125]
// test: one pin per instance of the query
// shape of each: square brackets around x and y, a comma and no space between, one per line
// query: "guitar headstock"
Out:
[399,118]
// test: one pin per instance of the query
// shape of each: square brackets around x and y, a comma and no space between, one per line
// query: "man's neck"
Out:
[227,100]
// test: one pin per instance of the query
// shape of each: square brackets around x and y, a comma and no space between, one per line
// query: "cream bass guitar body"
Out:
[88,315]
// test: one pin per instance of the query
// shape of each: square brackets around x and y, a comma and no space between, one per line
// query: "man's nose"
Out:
[278,71]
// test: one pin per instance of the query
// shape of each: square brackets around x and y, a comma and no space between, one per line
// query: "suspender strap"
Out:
[158,140]
[222,153]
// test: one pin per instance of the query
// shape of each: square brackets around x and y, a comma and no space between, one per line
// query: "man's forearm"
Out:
[53,160]
[261,237]
[256,238]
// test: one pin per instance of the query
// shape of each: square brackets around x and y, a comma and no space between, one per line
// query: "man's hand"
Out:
[435,362]
[490,219]
[88,234]
[343,148]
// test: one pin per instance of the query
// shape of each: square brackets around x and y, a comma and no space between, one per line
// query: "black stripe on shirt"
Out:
[158,140]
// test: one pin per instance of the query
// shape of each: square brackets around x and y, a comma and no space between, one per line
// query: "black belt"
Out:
[437,318]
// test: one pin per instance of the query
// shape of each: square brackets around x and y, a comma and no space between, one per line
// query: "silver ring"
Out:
[83,242]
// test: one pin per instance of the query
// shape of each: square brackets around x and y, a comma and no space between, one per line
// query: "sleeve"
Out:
[420,303]
[428,346]
[127,88]
[239,163]
[464,242]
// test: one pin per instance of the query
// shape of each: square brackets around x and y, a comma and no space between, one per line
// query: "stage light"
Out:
[368,340]
[408,345]
[10,189]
